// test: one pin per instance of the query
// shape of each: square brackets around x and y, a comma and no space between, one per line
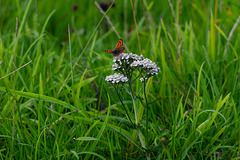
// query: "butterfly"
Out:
[119,49]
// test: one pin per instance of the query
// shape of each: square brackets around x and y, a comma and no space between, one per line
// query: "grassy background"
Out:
[196,98]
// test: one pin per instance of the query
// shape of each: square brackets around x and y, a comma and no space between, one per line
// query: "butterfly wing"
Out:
[119,44]
[118,51]
[109,51]
[121,50]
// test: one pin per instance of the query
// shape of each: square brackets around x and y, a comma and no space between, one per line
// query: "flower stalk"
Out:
[124,107]
[146,106]
[125,65]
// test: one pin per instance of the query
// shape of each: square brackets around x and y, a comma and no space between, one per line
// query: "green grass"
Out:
[194,102]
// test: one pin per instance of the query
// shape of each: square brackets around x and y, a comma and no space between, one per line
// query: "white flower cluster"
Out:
[125,61]
[143,79]
[116,67]
[127,58]
[147,65]
[116,78]
[153,71]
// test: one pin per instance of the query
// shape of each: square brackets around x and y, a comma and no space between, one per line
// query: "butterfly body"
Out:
[119,49]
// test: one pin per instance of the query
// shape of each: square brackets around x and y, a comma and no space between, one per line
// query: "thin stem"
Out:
[154,100]
[119,97]
[137,76]
[134,102]
[140,90]
[127,90]
[131,73]
[127,69]
[16,70]
[145,96]
[136,116]
[140,98]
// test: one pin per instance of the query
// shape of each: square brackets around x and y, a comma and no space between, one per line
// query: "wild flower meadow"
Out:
[63,96]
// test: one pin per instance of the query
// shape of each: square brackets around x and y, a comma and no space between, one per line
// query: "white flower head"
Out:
[143,79]
[125,58]
[116,78]
[116,67]
[125,61]
[147,66]
[153,71]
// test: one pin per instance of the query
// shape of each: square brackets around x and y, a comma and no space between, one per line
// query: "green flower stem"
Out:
[140,91]
[119,97]
[134,102]
[141,138]
[137,76]
[135,112]
[128,73]
[136,115]
[145,96]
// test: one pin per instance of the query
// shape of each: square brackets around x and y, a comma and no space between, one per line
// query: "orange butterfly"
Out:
[119,49]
